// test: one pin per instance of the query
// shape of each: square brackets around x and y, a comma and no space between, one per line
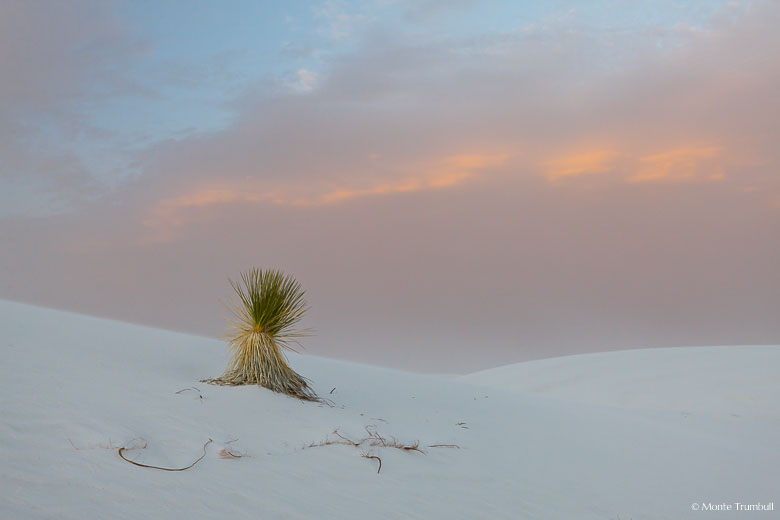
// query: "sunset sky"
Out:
[457,184]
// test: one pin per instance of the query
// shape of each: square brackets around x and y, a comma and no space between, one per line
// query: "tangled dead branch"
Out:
[121,450]
[372,440]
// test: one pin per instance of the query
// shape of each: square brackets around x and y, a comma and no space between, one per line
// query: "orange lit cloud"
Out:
[168,210]
[679,165]
[684,164]
[342,195]
[588,163]
[451,171]
[442,173]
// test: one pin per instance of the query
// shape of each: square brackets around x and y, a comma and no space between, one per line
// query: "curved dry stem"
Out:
[160,467]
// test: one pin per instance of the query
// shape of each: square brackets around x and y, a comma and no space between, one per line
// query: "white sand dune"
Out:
[632,435]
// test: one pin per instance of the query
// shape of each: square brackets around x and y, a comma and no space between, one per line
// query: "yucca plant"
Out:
[270,306]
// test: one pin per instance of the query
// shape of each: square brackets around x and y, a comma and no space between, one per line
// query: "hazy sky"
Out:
[457,184]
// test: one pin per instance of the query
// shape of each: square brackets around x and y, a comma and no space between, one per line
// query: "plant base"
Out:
[257,360]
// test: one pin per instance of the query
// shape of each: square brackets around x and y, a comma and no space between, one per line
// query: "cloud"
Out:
[443,173]
[58,62]
[424,10]
[338,22]
[691,164]
[306,81]
[588,163]
[54,52]
[380,120]
[680,165]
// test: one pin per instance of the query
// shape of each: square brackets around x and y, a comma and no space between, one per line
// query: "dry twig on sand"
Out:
[228,453]
[192,389]
[120,450]
[367,456]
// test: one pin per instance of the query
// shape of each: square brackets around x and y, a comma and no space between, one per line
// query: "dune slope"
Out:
[640,434]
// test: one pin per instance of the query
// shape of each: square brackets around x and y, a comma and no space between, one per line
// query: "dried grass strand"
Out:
[120,450]
[367,456]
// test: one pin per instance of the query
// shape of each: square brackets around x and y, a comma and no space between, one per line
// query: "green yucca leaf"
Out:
[271,302]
